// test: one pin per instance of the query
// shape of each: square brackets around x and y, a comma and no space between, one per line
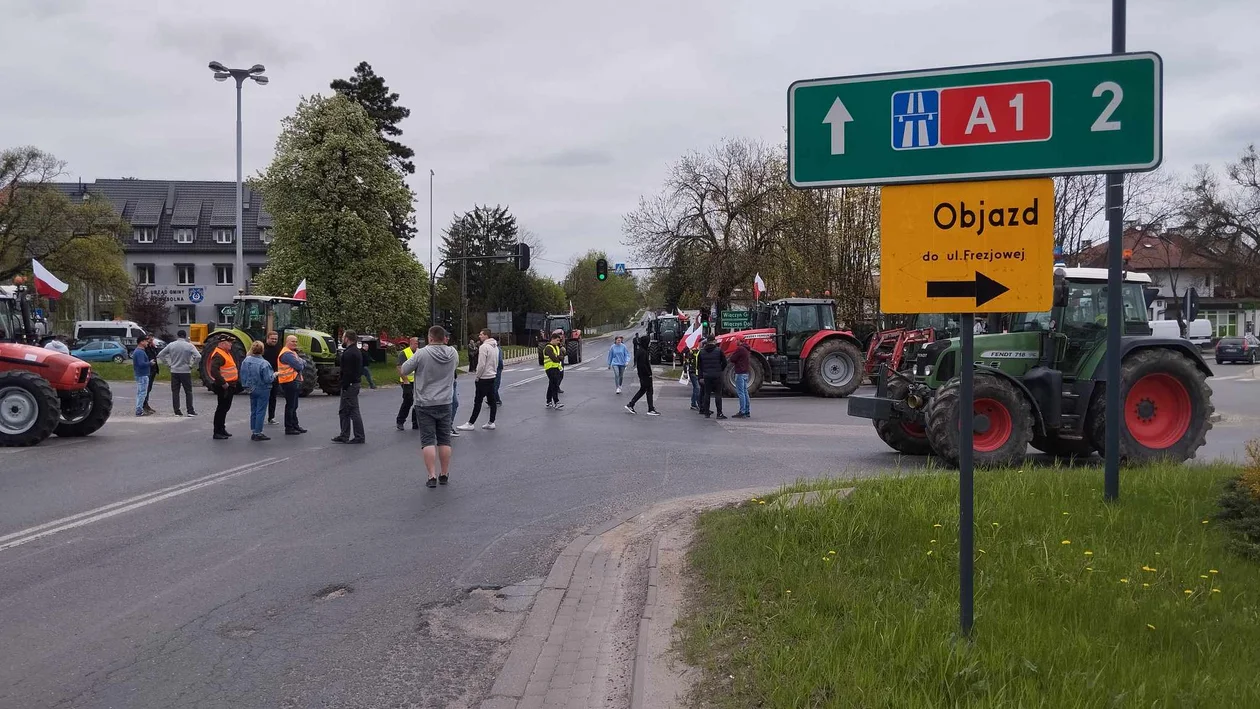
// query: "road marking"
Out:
[15,539]
[527,380]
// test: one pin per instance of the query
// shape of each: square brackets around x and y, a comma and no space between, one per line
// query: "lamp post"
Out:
[222,73]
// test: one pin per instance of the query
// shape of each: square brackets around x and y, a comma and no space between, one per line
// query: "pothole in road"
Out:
[237,632]
[332,592]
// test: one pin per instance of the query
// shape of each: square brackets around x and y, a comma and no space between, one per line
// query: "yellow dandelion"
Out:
[1066,541]
[1067,513]
[936,526]
[1156,553]
[1204,522]
[761,502]
[1189,591]
[1213,571]
[995,524]
[788,590]
[932,542]
[1149,568]
[929,552]
[1089,568]
[1124,580]
[1216,590]
[826,558]
[832,552]
[983,551]
[1203,576]
[1150,626]
[1089,553]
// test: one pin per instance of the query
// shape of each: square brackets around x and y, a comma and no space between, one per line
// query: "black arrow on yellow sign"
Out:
[983,289]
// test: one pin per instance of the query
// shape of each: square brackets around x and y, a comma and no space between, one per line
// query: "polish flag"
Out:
[759,287]
[46,284]
[300,293]
[682,341]
[693,337]
[570,308]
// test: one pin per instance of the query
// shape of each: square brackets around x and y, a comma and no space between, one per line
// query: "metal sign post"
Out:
[966,478]
[1115,299]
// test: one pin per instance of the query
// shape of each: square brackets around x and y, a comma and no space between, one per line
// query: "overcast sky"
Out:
[565,111]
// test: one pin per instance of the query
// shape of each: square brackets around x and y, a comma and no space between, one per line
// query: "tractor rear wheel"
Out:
[92,412]
[238,355]
[310,376]
[834,369]
[1167,408]
[1003,418]
[905,437]
[574,351]
[1068,448]
[29,408]
[654,353]
[756,377]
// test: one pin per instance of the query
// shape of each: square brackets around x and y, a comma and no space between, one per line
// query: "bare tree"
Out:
[1223,218]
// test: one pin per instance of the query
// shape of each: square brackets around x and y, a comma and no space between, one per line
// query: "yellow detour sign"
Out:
[963,247]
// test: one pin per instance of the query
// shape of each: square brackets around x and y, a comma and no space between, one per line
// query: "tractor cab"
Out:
[796,320]
[258,315]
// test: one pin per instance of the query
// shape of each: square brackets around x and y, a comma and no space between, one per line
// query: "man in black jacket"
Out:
[643,367]
[271,353]
[712,366]
[351,372]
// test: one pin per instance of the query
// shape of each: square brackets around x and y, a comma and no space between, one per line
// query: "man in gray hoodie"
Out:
[434,368]
[180,357]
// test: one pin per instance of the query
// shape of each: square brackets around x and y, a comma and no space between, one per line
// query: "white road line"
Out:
[527,380]
[14,539]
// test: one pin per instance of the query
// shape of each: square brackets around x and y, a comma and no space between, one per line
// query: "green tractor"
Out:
[1041,382]
[253,316]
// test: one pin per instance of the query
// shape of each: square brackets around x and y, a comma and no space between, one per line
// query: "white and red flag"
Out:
[682,341]
[46,284]
[300,293]
[759,287]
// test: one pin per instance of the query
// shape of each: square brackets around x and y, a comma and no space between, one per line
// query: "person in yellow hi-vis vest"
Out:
[553,365]
[408,382]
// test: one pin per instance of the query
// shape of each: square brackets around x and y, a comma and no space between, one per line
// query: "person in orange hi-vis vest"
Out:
[225,383]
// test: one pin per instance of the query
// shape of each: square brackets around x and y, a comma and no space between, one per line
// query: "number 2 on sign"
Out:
[1104,122]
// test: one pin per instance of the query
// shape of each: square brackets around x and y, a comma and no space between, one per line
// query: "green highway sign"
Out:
[736,320]
[1052,117]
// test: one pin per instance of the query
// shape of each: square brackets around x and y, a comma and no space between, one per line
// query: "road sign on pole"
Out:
[620,269]
[1052,117]
[967,247]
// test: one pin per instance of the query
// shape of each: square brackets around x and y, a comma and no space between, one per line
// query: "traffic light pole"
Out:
[521,255]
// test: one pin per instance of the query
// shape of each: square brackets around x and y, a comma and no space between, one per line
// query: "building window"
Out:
[264,234]
[144,235]
[1224,322]
[255,269]
[184,236]
[223,236]
[144,274]
[186,314]
[185,274]
[226,311]
[223,274]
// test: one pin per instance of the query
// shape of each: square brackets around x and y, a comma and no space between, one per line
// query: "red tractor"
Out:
[896,348]
[42,391]
[798,345]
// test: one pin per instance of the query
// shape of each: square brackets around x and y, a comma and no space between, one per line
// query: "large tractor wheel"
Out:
[834,369]
[1067,448]
[905,437]
[540,355]
[1167,408]
[756,377]
[654,352]
[29,409]
[90,412]
[573,352]
[238,355]
[1003,418]
[310,376]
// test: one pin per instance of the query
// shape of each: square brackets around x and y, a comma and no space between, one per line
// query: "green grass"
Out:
[1079,603]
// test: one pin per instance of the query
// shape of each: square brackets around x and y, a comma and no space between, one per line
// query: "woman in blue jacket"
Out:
[618,358]
[257,376]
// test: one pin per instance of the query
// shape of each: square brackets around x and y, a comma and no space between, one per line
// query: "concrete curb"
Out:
[638,683]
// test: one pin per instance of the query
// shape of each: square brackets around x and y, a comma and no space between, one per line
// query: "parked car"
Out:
[101,351]
[1238,349]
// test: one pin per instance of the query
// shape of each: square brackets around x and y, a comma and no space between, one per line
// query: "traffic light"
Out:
[522,256]
[601,270]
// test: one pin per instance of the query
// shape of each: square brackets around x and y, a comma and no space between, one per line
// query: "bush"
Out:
[1240,506]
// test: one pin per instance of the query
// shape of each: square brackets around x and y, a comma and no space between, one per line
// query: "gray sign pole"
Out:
[966,477]
[1115,300]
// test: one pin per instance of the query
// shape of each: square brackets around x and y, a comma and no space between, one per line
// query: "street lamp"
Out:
[222,73]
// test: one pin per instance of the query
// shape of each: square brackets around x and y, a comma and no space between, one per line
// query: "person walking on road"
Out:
[367,361]
[432,370]
[257,376]
[150,349]
[642,367]
[408,390]
[181,357]
[618,358]
[498,379]
[741,362]
[351,373]
[691,366]
[712,366]
[487,362]
[290,369]
[225,380]
[271,353]
[142,372]
[553,367]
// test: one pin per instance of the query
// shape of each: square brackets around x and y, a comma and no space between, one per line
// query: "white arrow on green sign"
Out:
[1052,117]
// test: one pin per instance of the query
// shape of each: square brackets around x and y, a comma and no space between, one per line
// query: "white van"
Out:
[1197,331]
[125,330]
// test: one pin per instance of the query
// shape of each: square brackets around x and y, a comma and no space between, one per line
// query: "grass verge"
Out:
[1079,603]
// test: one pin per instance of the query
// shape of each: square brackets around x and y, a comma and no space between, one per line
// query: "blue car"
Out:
[101,351]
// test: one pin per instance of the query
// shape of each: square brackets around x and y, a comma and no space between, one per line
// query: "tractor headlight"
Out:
[928,369]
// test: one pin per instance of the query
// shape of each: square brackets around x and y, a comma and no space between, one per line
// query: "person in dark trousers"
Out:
[642,367]
[271,353]
[150,349]
[351,373]
[142,372]
[693,374]
[225,377]
[498,379]
[181,357]
[408,390]
[290,369]
[741,362]
[487,361]
[553,366]
[367,362]
[712,367]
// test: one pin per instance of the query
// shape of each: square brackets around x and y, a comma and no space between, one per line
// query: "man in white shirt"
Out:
[487,370]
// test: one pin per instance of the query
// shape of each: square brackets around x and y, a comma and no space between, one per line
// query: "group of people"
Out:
[270,370]
[703,366]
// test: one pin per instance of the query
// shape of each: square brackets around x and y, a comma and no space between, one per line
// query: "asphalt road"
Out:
[150,566]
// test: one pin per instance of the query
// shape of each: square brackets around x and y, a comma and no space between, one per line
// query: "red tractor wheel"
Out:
[1167,408]
[905,437]
[1003,418]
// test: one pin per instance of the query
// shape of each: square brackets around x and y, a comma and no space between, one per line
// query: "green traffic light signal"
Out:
[601,269]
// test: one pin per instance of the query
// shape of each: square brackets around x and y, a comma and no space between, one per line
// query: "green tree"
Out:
[482,231]
[153,312]
[38,220]
[600,302]
[92,267]
[331,193]
[370,91]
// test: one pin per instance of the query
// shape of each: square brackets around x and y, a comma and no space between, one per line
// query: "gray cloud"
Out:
[566,110]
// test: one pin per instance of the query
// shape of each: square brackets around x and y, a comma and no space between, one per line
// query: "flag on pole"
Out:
[300,293]
[759,287]
[570,308]
[682,341]
[46,284]
[693,337]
